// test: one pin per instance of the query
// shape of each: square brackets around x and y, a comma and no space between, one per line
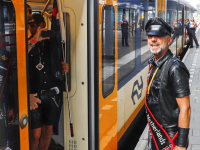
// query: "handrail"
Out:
[4,45]
[45,7]
[3,35]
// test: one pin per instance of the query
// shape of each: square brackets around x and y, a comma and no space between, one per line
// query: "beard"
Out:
[162,48]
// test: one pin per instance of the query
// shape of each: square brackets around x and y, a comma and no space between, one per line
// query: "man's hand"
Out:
[65,67]
[38,36]
[179,148]
[175,23]
[120,23]
[34,101]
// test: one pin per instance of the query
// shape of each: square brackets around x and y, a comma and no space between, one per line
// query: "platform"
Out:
[192,62]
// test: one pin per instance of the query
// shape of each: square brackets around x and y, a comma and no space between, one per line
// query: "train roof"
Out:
[41,3]
[186,3]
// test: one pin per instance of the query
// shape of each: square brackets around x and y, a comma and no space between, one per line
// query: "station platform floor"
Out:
[192,62]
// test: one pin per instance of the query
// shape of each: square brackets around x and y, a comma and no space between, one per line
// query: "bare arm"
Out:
[185,111]
[184,116]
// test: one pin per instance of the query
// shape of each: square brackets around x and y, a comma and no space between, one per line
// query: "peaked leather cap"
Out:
[157,26]
[36,18]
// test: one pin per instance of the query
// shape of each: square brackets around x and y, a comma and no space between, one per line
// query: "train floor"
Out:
[55,146]
[192,62]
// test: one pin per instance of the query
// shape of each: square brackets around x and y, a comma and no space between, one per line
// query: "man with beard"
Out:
[167,97]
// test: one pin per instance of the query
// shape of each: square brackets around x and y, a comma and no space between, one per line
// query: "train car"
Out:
[106,82]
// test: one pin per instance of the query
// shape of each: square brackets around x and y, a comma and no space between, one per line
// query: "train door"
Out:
[108,74]
[14,128]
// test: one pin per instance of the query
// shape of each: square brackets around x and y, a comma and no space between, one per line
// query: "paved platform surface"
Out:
[192,62]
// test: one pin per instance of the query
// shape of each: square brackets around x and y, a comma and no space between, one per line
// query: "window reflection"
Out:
[126,42]
[108,50]
[145,52]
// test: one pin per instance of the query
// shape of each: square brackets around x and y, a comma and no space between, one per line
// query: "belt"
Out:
[171,131]
[43,91]
[44,94]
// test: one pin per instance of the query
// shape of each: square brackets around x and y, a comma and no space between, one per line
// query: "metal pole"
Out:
[45,7]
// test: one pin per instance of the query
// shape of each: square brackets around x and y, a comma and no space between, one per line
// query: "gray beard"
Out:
[160,50]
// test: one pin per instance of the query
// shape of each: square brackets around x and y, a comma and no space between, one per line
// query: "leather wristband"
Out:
[182,136]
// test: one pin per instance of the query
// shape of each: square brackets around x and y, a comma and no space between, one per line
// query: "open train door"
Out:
[14,127]
[108,78]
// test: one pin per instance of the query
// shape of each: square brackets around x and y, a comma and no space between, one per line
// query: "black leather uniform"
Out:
[162,97]
[124,26]
[42,81]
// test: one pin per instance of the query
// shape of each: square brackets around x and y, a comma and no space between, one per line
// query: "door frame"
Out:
[21,46]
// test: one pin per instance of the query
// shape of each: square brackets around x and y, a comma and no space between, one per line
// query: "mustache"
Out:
[154,44]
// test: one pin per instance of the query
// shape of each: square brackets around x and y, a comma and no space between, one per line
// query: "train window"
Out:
[174,22]
[145,52]
[168,17]
[178,31]
[9,126]
[126,42]
[159,13]
[163,15]
[108,50]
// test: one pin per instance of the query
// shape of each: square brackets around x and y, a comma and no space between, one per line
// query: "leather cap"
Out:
[36,18]
[157,26]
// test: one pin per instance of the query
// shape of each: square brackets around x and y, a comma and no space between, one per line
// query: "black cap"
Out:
[157,26]
[36,18]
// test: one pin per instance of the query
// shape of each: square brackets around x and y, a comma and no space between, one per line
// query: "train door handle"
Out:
[23,121]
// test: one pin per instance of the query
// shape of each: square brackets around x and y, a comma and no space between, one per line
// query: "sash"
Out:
[159,135]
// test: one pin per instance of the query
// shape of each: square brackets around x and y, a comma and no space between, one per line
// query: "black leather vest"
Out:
[171,81]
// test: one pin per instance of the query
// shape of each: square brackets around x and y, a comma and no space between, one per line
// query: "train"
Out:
[106,80]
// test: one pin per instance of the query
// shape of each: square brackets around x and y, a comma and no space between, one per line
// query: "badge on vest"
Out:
[40,66]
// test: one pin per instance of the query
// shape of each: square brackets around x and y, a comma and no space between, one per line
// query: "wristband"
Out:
[182,137]
[33,41]
[31,44]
